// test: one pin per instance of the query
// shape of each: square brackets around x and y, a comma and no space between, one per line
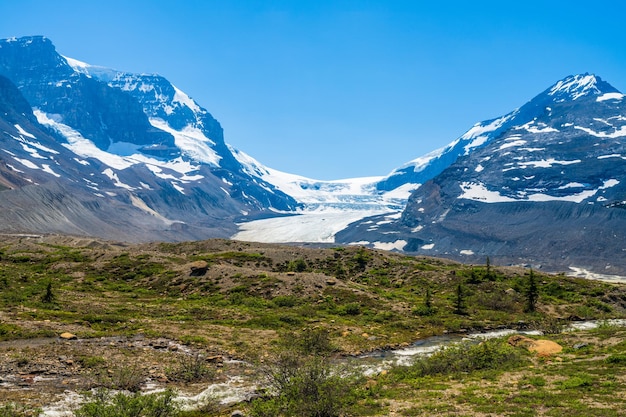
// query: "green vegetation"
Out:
[105,403]
[305,308]
[302,381]
[17,410]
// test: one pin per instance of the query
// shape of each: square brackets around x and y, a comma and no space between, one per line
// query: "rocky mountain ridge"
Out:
[544,188]
[117,144]
[93,151]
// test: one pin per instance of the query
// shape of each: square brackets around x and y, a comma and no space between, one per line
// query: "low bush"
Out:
[18,410]
[468,357]
[302,381]
[191,368]
[104,403]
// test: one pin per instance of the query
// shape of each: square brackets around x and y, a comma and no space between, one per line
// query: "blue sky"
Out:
[338,89]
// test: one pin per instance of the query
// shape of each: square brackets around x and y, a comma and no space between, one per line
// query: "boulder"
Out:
[542,347]
[198,268]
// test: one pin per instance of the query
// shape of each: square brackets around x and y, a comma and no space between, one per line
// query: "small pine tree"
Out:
[532,293]
[459,302]
[48,297]
[428,299]
[488,272]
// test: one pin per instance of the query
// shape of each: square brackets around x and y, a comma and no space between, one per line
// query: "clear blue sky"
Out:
[338,89]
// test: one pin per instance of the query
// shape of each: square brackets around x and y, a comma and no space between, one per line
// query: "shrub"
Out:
[578,381]
[285,301]
[422,310]
[297,265]
[617,359]
[304,386]
[468,357]
[190,368]
[17,410]
[351,309]
[103,403]
[126,378]
[302,381]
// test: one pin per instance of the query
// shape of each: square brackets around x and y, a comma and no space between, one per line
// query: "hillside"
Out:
[138,312]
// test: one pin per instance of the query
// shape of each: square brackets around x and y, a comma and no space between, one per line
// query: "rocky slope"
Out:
[115,155]
[544,188]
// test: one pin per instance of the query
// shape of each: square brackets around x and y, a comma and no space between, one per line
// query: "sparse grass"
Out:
[363,299]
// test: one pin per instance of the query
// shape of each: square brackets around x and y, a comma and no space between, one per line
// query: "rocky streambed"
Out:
[50,373]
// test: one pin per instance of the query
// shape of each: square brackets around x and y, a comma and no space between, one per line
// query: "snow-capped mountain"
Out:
[543,185]
[135,140]
[94,151]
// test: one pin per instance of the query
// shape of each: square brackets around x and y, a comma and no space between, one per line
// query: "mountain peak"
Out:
[573,87]
[29,41]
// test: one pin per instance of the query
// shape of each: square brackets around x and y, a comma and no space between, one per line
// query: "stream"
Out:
[239,389]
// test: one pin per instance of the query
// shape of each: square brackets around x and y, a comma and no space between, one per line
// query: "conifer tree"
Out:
[459,302]
[532,293]
[48,297]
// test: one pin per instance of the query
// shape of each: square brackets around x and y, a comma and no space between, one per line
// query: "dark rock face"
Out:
[114,155]
[546,188]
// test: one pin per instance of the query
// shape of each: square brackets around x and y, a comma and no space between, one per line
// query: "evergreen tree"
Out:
[532,293]
[48,297]
[488,273]
[459,302]
[428,299]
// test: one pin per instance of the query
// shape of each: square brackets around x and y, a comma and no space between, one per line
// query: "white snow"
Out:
[15,169]
[610,96]
[191,138]
[26,163]
[479,192]
[116,181]
[428,246]
[81,161]
[466,252]
[479,130]
[185,100]
[23,132]
[397,245]
[77,65]
[614,155]
[618,133]
[477,135]
[318,227]
[571,185]
[343,194]
[539,128]
[33,153]
[328,206]
[583,273]
[422,162]
[578,85]
[46,168]
[81,146]
[506,145]
[178,188]
[191,142]
[546,163]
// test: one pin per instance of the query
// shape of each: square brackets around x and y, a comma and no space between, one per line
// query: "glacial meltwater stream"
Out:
[239,389]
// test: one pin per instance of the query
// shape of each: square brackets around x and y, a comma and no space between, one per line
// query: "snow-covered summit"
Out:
[574,87]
